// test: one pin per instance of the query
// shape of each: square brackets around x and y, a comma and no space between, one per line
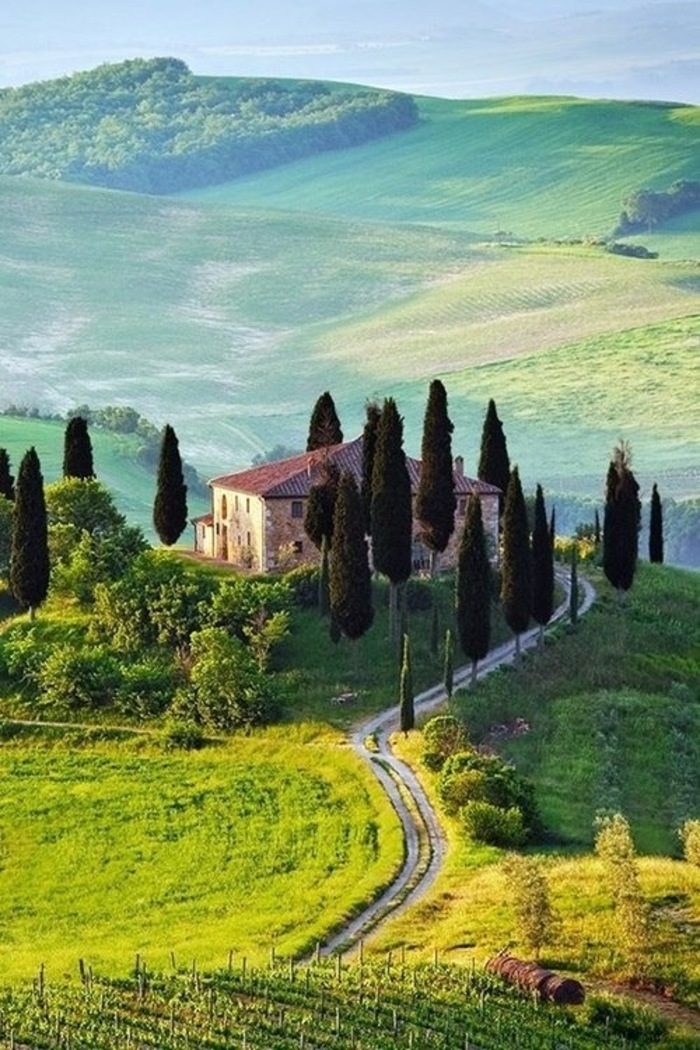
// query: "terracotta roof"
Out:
[293,477]
[203,519]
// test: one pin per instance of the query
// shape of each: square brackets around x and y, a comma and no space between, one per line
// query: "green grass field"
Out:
[109,849]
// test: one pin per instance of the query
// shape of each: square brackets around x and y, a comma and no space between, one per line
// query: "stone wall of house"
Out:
[489,513]
[287,544]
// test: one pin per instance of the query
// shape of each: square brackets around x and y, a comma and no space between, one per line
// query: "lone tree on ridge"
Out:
[29,554]
[77,450]
[170,505]
[435,499]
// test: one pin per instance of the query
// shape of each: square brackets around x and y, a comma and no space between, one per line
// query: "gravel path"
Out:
[424,839]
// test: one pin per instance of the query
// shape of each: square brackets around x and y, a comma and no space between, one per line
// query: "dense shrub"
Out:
[303,582]
[487,823]
[146,688]
[74,678]
[499,785]
[689,835]
[443,735]
[184,734]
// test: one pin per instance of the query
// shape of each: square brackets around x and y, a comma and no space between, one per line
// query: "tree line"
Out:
[151,126]
[645,209]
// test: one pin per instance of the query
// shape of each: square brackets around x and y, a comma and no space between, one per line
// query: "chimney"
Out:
[459,466]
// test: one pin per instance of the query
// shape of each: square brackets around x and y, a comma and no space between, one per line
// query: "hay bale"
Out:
[531,977]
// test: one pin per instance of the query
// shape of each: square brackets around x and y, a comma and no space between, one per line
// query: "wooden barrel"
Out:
[532,977]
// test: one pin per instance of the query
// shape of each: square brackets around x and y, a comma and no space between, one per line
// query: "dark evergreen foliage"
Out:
[494,463]
[553,526]
[656,528]
[573,587]
[77,450]
[542,565]
[516,569]
[324,425]
[407,713]
[621,521]
[7,482]
[151,126]
[170,505]
[435,499]
[29,555]
[448,674]
[596,528]
[320,507]
[473,587]
[369,443]
[350,581]
[391,499]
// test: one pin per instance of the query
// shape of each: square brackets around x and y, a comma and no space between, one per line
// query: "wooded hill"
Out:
[150,126]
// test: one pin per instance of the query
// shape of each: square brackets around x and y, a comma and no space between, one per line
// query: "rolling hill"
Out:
[467,248]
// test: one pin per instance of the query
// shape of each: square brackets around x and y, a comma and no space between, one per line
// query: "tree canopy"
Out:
[656,528]
[324,425]
[77,450]
[350,581]
[542,565]
[516,570]
[435,499]
[494,462]
[151,126]
[29,556]
[7,482]
[621,521]
[473,590]
[170,505]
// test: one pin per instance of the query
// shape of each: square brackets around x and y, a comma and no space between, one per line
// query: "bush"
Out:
[484,822]
[146,688]
[77,678]
[443,736]
[303,582]
[501,786]
[624,1018]
[183,734]
[689,835]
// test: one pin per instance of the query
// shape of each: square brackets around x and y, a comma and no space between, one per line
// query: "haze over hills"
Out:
[594,48]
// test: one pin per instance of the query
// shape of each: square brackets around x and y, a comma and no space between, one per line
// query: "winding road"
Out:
[424,839]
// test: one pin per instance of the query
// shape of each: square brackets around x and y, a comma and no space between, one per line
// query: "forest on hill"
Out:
[151,126]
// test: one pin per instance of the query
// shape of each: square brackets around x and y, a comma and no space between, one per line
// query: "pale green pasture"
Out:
[552,167]
[109,850]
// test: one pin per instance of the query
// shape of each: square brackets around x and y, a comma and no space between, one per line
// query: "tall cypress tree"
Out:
[473,591]
[494,463]
[320,507]
[621,522]
[435,499]
[392,520]
[29,555]
[369,444]
[573,586]
[553,526]
[324,425]
[77,450]
[656,528]
[542,567]
[516,570]
[449,674]
[407,713]
[349,580]
[170,504]
[7,482]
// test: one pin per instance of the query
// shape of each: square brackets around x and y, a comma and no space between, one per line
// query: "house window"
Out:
[247,506]
[247,538]
[297,508]
[224,507]
[298,547]
[461,506]
[235,502]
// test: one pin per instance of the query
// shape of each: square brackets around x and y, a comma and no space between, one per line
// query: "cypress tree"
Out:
[621,522]
[516,570]
[553,526]
[369,443]
[170,505]
[7,482]
[596,528]
[320,507]
[473,592]
[324,425]
[435,499]
[349,580]
[542,567]
[656,528]
[449,675]
[29,555]
[407,714]
[573,587]
[77,450]
[494,463]
[323,583]
[392,519]
[434,628]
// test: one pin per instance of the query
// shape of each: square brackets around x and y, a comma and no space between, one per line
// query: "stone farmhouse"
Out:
[257,516]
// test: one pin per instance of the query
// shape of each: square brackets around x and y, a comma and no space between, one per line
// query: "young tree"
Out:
[614,846]
[516,569]
[542,567]
[369,444]
[656,528]
[391,507]
[77,450]
[6,513]
[435,499]
[449,674]
[324,425]
[473,591]
[573,587]
[407,714]
[323,580]
[170,505]
[7,482]
[29,556]
[621,522]
[494,463]
[536,920]
[350,582]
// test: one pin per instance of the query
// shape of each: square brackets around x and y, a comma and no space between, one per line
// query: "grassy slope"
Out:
[112,849]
